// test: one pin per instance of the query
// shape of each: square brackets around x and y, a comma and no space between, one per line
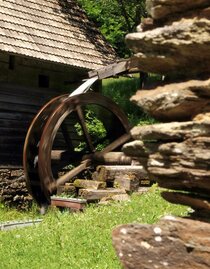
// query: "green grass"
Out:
[82,240]
[120,91]
[79,240]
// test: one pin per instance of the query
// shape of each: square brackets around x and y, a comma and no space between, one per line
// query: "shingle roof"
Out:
[52,30]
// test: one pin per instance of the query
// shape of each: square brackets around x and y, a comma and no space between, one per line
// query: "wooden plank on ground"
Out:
[89,184]
[110,172]
[67,188]
[128,182]
[94,195]
[72,203]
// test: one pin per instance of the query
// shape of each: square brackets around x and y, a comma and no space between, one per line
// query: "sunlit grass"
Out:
[79,240]
[82,240]
[120,90]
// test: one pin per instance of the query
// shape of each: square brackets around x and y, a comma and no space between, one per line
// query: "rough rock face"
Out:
[169,49]
[13,191]
[176,153]
[175,101]
[160,9]
[174,42]
[167,244]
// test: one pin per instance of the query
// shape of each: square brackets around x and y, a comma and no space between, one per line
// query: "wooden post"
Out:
[143,79]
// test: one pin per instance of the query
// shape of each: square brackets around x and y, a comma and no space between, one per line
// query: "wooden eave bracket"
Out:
[124,66]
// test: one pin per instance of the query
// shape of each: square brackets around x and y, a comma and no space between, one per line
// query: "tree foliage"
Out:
[115,18]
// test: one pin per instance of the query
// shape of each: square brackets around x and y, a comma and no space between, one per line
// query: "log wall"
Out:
[23,71]
[18,106]
[21,97]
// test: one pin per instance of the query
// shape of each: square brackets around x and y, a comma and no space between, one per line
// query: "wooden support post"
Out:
[97,86]
[172,243]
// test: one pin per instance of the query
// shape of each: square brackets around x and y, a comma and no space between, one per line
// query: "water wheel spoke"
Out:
[66,136]
[113,146]
[84,128]
[117,143]
[63,158]
[69,175]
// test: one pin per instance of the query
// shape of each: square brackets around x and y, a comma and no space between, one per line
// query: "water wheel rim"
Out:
[54,122]
[31,145]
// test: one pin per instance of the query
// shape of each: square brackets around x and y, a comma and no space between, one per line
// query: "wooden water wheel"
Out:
[61,142]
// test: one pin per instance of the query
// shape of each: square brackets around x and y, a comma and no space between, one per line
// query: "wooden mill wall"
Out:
[23,91]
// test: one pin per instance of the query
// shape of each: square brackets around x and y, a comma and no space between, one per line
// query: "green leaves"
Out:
[115,18]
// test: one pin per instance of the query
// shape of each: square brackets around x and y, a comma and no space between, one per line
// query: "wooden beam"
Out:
[124,66]
[95,195]
[108,158]
[89,184]
[71,203]
[110,172]
[112,158]
[129,182]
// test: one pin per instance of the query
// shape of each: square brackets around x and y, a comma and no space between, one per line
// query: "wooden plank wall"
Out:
[18,106]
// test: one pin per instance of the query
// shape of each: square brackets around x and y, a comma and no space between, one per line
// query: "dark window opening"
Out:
[44,81]
[11,62]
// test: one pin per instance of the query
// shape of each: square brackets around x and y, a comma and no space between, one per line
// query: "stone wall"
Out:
[174,42]
[176,153]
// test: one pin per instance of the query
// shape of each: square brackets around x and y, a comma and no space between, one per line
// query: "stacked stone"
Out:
[13,190]
[175,42]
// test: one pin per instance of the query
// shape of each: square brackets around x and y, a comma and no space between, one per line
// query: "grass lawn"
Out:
[79,240]
[120,90]
[82,240]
